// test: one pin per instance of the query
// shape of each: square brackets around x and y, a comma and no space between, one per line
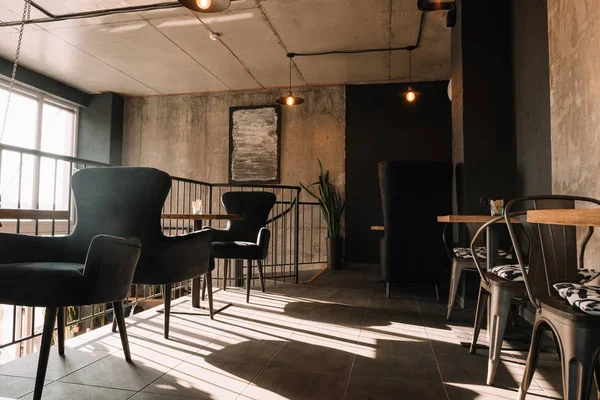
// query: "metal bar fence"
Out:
[297,237]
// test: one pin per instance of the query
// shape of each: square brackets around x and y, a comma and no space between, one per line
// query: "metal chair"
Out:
[246,239]
[461,263]
[553,259]
[87,266]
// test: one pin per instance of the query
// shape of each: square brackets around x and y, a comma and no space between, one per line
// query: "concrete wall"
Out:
[188,135]
[532,97]
[574,35]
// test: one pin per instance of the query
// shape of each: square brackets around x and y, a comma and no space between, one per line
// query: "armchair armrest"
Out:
[186,256]
[18,248]
[218,235]
[109,265]
[264,237]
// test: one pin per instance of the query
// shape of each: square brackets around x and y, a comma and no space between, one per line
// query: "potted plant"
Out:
[332,206]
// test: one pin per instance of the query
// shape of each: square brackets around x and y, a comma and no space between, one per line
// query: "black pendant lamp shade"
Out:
[290,99]
[206,6]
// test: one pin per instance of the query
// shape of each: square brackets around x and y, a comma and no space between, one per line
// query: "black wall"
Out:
[381,126]
[532,96]
[101,129]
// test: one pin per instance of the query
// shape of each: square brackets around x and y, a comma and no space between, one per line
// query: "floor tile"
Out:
[239,350]
[61,391]
[14,387]
[114,372]
[205,380]
[301,355]
[57,366]
[365,387]
[284,384]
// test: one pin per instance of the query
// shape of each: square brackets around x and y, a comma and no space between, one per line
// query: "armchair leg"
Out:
[204,286]
[49,321]
[248,281]
[225,273]
[60,322]
[388,290]
[208,280]
[261,276]
[120,319]
[167,305]
[114,326]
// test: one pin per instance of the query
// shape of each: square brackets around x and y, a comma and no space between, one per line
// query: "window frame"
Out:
[43,98]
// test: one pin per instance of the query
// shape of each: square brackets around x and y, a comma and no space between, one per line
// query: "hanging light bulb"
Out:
[206,6]
[410,95]
[290,99]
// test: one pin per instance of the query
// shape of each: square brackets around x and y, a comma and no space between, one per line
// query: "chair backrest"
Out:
[118,201]
[413,194]
[553,249]
[254,207]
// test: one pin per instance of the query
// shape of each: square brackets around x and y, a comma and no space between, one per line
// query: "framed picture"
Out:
[254,144]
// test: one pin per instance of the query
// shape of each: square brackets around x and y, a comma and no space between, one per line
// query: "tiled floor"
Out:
[336,338]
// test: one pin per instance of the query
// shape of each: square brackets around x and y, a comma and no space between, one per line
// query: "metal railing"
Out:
[31,179]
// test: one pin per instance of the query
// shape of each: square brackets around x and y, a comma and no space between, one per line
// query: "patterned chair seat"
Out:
[586,298]
[512,272]
[464,253]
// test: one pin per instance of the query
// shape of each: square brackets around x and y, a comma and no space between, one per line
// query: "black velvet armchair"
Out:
[246,239]
[87,266]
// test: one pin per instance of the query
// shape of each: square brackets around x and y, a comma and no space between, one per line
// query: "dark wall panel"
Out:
[532,96]
[381,126]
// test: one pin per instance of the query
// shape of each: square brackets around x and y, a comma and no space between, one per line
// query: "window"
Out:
[38,122]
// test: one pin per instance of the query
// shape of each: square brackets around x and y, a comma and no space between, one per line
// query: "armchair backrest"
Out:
[553,252]
[118,201]
[413,195]
[254,207]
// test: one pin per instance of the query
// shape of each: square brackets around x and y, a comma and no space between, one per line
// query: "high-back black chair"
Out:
[413,194]
[87,266]
[553,258]
[246,239]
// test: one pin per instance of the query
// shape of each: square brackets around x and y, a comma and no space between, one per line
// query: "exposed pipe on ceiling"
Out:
[50,17]
[438,5]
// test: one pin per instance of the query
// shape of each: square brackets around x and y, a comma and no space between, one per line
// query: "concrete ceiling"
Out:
[169,51]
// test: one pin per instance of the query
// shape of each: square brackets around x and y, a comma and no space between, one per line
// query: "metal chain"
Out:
[26,17]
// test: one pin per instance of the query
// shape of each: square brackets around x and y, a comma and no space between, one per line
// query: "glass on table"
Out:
[197,207]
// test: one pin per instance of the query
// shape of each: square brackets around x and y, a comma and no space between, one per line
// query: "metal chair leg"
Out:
[532,359]
[479,314]
[261,276]
[578,364]
[248,281]
[120,318]
[225,273]
[167,305]
[500,301]
[208,280]
[204,287]
[388,290]
[437,292]
[49,321]
[456,273]
[60,322]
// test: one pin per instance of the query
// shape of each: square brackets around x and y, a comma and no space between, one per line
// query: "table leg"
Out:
[492,246]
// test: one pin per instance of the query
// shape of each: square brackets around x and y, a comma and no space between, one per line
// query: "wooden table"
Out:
[198,218]
[491,240]
[378,228]
[580,217]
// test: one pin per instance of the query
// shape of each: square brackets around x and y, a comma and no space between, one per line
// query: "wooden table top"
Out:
[206,217]
[23,213]
[580,217]
[468,219]
[378,228]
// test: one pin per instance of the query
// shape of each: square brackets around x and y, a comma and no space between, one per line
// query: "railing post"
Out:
[297,234]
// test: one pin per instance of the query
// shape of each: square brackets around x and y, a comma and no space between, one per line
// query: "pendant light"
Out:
[206,6]
[410,95]
[290,99]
